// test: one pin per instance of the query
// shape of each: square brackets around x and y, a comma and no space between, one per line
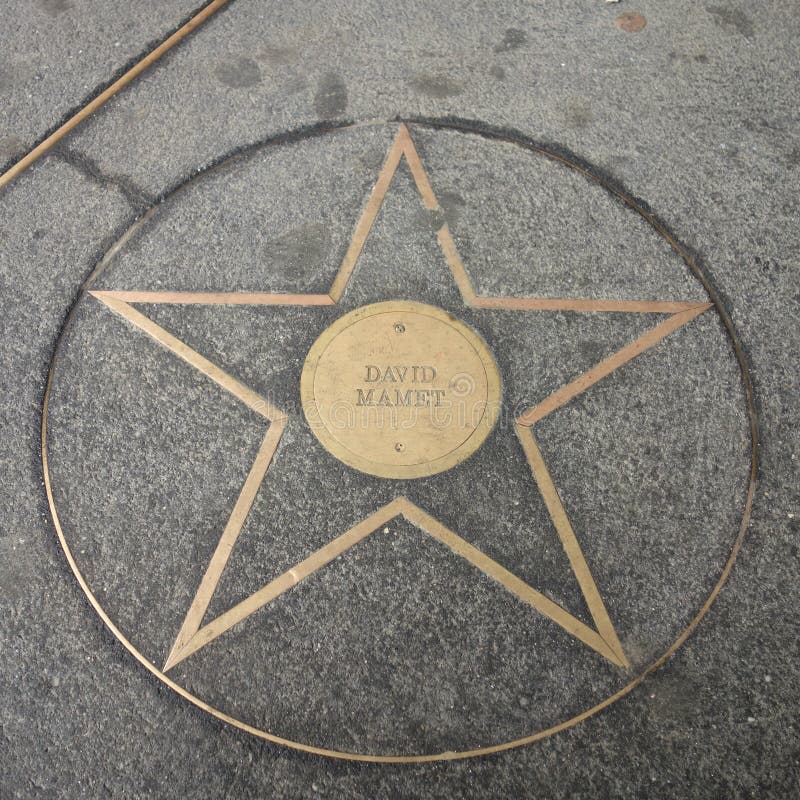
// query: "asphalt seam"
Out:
[139,199]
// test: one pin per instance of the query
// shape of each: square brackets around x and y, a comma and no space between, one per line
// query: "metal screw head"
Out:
[399,327]
[399,447]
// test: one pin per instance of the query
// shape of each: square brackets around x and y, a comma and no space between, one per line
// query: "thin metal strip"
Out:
[250,398]
[462,281]
[518,587]
[399,506]
[281,584]
[581,305]
[233,528]
[456,266]
[219,298]
[555,507]
[367,219]
[609,365]
[417,170]
[403,146]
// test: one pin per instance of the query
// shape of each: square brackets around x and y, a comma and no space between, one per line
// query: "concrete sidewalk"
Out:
[689,110]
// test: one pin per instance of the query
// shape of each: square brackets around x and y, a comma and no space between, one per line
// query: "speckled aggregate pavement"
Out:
[187,182]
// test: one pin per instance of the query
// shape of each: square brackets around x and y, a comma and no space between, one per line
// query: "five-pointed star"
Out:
[194,635]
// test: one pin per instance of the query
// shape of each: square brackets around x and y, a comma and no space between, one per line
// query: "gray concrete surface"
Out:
[696,113]
[55,55]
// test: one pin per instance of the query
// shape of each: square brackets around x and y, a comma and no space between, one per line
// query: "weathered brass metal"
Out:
[400,390]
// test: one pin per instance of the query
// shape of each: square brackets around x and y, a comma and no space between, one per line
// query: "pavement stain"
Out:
[279,55]
[301,249]
[238,73]
[578,114]
[452,205]
[513,39]
[675,56]
[793,158]
[54,7]
[732,20]
[630,22]
[330,99]
[437,85]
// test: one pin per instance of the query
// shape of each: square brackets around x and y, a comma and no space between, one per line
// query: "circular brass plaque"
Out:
[400,390]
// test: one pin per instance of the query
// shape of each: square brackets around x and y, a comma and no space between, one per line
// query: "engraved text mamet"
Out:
[393,396]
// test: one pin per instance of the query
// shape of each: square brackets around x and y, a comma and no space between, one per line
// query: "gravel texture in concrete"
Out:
[695,112]
[55,55]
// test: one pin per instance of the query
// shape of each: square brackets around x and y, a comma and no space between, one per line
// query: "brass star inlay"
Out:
[194,635]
